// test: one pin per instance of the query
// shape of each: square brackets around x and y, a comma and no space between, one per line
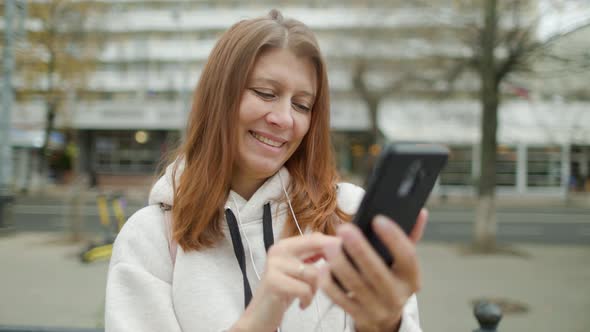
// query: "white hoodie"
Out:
[203,290]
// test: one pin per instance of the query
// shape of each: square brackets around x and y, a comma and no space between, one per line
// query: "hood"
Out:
[162,191]
[249,210]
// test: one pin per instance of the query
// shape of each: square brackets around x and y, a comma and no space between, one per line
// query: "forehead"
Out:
[287,69]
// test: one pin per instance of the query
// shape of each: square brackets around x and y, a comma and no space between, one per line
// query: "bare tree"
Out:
[57,57]
[372,97]
[502,38]
[497,53]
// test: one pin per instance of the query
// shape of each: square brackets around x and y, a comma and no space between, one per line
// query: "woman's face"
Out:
[274,114]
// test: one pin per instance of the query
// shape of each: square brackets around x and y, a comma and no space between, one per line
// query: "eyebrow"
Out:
[278,84]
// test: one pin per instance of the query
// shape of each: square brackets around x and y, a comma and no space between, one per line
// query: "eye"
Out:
[264,95]
[301,107]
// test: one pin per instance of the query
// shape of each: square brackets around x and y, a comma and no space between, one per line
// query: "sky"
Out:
[561,16]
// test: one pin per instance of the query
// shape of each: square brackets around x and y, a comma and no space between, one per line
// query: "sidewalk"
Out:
[43,283]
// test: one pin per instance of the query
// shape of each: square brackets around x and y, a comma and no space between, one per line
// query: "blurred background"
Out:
[96,93]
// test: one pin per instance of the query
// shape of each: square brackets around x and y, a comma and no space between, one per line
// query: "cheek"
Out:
[303,124]
[251,108]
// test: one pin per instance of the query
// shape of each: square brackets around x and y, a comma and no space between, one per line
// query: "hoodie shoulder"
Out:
[143,243]
[163,190]
[349,197]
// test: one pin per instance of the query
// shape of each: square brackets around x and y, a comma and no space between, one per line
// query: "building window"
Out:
[458,169]
[506,166]
[123,152]
[543,166]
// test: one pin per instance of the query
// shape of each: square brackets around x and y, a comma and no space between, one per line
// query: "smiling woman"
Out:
[274,116]
[256,178]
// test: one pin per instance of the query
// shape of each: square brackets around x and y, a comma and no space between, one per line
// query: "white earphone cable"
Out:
[290,206]
[317,300]
[320,317]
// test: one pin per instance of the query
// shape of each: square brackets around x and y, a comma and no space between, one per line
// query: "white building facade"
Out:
[137,101]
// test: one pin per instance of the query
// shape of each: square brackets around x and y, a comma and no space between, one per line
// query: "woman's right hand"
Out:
[288,275]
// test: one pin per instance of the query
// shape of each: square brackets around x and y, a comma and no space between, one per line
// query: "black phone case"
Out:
[392,192]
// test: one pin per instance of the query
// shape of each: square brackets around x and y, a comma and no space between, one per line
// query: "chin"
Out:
[266,168]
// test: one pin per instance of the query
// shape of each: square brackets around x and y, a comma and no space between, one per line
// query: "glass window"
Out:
[506,165]
[121,151]
[458,169]
[544,166]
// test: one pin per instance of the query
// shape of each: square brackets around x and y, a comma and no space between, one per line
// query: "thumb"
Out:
[419,227]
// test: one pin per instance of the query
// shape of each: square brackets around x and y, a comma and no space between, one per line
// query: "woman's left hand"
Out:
[376,293]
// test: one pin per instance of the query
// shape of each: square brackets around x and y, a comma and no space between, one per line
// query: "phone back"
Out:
[399,186]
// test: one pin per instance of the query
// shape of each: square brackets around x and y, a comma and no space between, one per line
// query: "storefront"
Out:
[137,153]
[540,151]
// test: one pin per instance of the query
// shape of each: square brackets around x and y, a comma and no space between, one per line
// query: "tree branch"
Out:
[358,81]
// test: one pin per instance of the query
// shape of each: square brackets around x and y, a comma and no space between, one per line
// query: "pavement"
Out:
[43,283]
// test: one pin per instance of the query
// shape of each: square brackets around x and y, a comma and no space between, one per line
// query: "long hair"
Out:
[208,152]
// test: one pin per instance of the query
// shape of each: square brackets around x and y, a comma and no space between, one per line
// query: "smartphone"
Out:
[401,181]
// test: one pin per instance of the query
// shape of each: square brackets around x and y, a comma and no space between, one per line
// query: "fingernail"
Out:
[381,222]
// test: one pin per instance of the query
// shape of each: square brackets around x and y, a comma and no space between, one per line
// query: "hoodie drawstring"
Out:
[236,240]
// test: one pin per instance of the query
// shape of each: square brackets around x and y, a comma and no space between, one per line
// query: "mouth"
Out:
[266,140]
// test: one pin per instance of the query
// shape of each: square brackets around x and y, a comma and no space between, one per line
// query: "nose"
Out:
[280,115]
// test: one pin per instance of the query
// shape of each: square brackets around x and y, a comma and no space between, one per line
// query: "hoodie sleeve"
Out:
[349,200]
[139,283]
[410,318]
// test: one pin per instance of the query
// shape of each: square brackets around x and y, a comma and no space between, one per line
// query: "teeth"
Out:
[266,140]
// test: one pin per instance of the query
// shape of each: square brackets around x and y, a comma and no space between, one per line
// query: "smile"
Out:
[266,140]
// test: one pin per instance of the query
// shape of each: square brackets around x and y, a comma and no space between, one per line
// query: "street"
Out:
[557,225]
[550,242]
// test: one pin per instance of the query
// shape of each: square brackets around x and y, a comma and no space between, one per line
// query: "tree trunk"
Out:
[485,220]
[376,135]
[49,124]
[49,117]
[76,206]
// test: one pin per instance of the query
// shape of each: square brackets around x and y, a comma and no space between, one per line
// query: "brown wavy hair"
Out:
[209,149]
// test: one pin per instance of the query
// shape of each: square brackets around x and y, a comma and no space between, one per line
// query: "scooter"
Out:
[103,249]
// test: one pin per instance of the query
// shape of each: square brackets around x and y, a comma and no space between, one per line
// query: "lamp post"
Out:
[6,173]
[6,116]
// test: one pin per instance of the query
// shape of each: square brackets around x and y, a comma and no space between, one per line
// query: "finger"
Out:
[418,229]
[305,246]
[299,270]
[335,293]
[369,263]
[291,288]
[350,278]
[401,248]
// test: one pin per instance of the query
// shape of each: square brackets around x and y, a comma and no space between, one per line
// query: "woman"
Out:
[255,206]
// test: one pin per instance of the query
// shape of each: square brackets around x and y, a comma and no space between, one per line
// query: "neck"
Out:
[246,186]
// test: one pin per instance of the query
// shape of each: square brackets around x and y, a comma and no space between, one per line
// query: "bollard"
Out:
[6,213]
[488,315]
